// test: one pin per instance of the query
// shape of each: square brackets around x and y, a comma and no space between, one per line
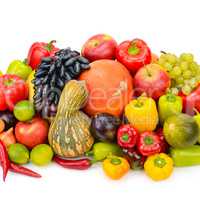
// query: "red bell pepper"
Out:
[127,136]
[133,54]
[39,50]
[12,90]
[191,102]
[149,143]
[164,145]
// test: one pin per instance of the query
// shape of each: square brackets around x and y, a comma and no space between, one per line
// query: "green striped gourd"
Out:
[69,133]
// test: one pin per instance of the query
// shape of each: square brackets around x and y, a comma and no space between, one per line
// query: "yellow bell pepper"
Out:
[1,73]
[142,114]
[31,85]
[158,166]
[115,167]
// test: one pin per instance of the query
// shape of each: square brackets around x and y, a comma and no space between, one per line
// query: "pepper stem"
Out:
[160,162]
[171,97]
[89,153]
[125,137]
[148,140]
[49,46]
[115,161]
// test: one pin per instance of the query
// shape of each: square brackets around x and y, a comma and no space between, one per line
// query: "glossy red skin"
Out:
[155,85]
[132,133]
[32,133]
[10,95]
[191,102]
[37,51]
[148,150]
[23,170]
[8,137]
[133,62]
[4,160]
[104,50]
[163,143]
[81,164]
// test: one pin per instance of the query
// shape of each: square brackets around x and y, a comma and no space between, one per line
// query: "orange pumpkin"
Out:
[110,87]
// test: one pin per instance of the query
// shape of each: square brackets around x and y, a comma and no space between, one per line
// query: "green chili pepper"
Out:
[101,150]
[169,105]
[186,157]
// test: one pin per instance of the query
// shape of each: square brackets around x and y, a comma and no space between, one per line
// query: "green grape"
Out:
[187,57]
[197,78]
[187,74]
[186,89]
[184,65]
[161,61]
[193,82]
[180,80]
[171,58]
[168,66]
[193,66]
[176,71]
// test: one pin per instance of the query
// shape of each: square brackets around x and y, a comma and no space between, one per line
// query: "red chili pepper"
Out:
[39,50]
[81,164]
[133,54]
[164,145]
[5,163]
[127,136]
[191,101]
[148,143]
[12,90]
[23,170]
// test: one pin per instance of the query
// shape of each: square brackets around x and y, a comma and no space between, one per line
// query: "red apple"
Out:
[98,47]
[152,80]
[32,133]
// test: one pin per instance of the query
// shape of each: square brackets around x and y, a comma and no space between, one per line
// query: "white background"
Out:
[171,25]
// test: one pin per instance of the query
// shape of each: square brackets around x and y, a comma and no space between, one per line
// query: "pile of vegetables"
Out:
[116,104]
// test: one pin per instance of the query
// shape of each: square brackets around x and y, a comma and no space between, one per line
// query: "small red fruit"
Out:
[101,46]
[33,132]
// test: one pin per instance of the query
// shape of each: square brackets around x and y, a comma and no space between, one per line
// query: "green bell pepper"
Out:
[101,150]
[186,157]
[169,105]
[19,68]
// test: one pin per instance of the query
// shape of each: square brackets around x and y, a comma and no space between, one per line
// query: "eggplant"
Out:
[104,127]
[8,118]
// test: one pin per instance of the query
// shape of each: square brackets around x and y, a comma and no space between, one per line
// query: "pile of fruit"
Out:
[118,104]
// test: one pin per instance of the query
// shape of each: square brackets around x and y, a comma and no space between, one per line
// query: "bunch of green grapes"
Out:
[183,70]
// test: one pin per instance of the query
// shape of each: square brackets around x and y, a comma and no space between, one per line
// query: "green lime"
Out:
[18,153]
[41,154]
[1,73]
[24,110]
